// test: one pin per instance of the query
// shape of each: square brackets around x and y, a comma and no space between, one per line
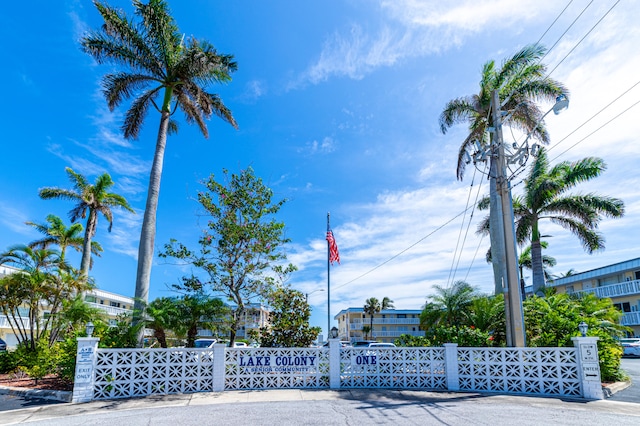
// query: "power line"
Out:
[596,130]
[554,22]
[407,249]
[475,204]
[585,36]
[565,31]
[455,251]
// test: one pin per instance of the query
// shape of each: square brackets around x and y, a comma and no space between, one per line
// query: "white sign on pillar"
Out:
[85,364]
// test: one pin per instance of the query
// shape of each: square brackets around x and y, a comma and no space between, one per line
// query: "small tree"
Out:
[289,320]
[241,242]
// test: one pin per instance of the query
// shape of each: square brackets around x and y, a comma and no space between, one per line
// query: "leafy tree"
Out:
[448,306]
[552,321]
[241,242]
[42,282]
[56,233]
[289,321]
[158,63]
[521,81]
[487,314]
[372,306]
[91,200]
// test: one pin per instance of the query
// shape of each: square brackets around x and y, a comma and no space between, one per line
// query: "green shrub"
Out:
[464,336]
[8,362]
[408,340]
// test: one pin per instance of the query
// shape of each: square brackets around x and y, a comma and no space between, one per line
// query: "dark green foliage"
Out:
[241,243]
[408,340]
[554,319]
[289,321]
[122,335]
[464,336]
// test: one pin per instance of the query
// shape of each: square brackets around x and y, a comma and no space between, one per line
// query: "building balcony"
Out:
[626,288]
[630,318]
[395,333]
[4,322]
[110,310]
[357,324]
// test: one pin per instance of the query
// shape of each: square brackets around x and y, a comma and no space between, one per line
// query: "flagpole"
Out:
[328,280]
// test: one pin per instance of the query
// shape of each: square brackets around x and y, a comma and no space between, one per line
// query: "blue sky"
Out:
[338,105]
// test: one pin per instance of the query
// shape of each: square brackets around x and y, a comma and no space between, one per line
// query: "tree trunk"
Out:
[537,268]
[148,233]
[86,245]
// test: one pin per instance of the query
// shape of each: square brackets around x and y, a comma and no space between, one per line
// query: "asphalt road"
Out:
[631,394]
[356,407]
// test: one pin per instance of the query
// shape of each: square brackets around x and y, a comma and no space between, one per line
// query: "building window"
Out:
[569,289]
[624,306]
[402,315]
[90,299]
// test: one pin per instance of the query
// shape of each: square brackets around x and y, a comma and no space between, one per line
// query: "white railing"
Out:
[543,371]
[360,322]
[422,368]
[124,373]
[4,322]
[110,310]
[394,333]
[630,318]
[614,290]
[268,368]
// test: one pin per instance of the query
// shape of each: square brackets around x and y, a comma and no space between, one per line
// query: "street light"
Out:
[583,327]
[334,332]
[502,226]
[89,327]
[306,295]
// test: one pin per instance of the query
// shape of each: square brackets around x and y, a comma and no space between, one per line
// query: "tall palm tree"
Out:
[521,81]
[160,65]
[373,306]
[448,306]
[545,197]
[57,233]
[90,200]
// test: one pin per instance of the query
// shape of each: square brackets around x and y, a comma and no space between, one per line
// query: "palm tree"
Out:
[448,306]
[373,306]
[29,288]
[521,81]
[90,200]
[545,197]
[161,64]
[56,232]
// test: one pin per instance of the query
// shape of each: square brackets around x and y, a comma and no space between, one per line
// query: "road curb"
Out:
[611,388]
[54,395]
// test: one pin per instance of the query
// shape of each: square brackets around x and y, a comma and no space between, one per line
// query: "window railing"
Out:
[630,318]
[111,310]
[614,290]
[357,325]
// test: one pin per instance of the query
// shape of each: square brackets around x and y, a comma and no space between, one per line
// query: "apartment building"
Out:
[388,324]
[620,282]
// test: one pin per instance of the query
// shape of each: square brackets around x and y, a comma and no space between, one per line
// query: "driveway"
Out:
[631,394]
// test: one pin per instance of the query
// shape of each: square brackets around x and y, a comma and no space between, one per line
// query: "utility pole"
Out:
[512,296]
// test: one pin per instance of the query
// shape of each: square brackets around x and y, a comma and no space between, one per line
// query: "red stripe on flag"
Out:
[334,255]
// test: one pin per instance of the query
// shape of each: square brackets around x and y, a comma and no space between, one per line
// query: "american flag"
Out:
[334,255]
